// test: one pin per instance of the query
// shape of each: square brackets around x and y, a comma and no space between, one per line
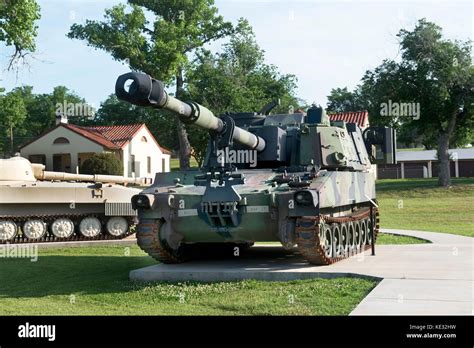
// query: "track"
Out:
[148,239]
[350,235]
[20,238]
[323,240]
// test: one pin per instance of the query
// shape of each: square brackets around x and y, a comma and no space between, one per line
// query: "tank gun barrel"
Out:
[146,91]
[41,174]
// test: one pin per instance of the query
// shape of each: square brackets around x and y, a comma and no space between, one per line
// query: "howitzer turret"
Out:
[298,178]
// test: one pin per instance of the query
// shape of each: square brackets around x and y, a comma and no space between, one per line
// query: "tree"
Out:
[435,74]
[237,79]
[34,113]
[161,48]
[42,108]
[102,163]
[438,74]
[12,116]
[18,28]
[342,100]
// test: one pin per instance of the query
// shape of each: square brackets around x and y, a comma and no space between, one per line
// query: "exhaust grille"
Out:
[119,209]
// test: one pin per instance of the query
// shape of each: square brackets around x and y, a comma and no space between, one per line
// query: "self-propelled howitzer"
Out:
[294,178]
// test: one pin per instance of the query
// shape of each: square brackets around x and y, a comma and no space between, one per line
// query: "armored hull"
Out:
[298,179]
[266,212]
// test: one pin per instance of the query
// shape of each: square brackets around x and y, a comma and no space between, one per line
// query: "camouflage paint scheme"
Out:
[306,166]
[265,208]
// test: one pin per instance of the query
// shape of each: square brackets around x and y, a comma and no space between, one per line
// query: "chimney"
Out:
[60,118]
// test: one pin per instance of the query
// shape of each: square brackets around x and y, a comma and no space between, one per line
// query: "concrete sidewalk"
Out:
[416,279]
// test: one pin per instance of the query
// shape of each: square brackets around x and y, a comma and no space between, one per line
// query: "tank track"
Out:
[49,237]
[149,241]
[311,240]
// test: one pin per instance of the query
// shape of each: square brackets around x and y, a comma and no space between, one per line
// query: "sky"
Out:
[325,43]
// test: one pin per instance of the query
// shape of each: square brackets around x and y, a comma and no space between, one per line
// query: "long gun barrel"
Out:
[146,91]
[41,174]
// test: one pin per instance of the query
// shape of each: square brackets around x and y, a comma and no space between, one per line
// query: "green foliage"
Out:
[17,26]
[342,100]
[102,163]
[435,73]
[159,48]
[12,119]
[31,114]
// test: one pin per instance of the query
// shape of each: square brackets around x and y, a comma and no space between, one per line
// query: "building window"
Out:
[132,163]
[144,139]
[163,165]
[148,164]
[61,140]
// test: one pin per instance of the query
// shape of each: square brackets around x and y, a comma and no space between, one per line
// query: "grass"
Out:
[174,163]
[391,239]
[94,281]
[419,204]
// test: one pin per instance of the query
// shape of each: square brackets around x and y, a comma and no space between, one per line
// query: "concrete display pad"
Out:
[416,279]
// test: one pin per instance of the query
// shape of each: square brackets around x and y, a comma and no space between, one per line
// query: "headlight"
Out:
[304,198]
[140,201]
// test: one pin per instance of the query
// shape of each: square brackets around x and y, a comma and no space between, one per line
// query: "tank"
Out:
[41,206]
[297,179]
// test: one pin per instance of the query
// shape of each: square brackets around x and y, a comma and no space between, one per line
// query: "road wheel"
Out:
[117,226]
[34,229]
[8,230]
[90,227]
[62,228]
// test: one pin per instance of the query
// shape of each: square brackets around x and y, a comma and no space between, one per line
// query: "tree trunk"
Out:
[444,169]
[184,145]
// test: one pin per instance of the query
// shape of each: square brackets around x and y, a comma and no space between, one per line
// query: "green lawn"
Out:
[174,163]
[387,238]
[94,280]
[419,204]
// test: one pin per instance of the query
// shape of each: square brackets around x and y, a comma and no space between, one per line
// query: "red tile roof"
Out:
[113,137]
[92,135]
[361,118]
[119,135]
[110,137]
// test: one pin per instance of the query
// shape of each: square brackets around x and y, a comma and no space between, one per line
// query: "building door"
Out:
[62,162]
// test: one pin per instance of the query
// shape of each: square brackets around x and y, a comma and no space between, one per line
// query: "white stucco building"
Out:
[65,147]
